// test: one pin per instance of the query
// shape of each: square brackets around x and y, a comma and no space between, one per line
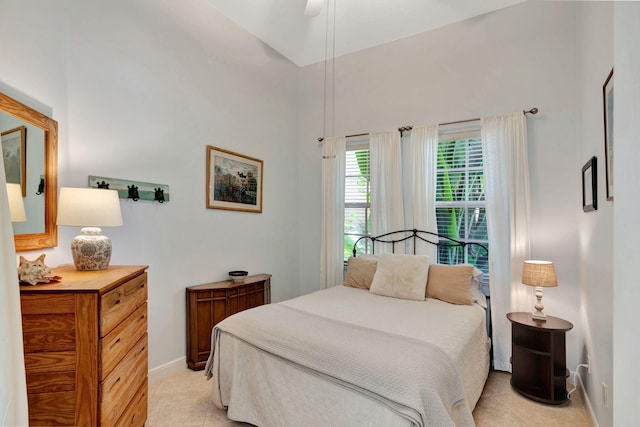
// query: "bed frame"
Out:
[427,236]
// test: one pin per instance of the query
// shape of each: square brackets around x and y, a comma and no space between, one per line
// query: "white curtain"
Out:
[387,211]
[420,158]
[13,388]
[504,143]
[332,241]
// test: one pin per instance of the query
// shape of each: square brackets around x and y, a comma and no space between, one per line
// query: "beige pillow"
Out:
[360,271]
[401,276]
[450,283]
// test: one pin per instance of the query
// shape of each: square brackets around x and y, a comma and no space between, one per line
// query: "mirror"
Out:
[32,140]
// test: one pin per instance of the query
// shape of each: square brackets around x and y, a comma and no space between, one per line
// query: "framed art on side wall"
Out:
[607,99]
[234,181]
[14,143]
[590,185]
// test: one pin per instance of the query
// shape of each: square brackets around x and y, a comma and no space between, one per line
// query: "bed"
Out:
[356,356]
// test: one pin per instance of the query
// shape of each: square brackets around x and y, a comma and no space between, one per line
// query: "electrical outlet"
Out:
[588,364]
[604,394]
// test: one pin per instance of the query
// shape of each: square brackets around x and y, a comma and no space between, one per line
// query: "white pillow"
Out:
[401,276]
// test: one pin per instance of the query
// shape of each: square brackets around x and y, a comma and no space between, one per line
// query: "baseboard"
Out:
[586,401]
[169,368]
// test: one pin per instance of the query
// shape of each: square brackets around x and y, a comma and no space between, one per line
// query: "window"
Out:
[357,201]
[460,204]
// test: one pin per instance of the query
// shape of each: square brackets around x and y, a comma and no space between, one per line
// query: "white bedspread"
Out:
[425,361]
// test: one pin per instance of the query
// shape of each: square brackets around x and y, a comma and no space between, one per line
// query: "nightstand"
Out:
[538,357]
[210,303]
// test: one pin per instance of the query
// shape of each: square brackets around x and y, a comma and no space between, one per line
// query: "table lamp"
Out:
[16,204]
[540,274]
[90,208]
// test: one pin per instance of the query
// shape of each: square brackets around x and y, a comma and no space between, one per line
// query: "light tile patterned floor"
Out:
[183,400]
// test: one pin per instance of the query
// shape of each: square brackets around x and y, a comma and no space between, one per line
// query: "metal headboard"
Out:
[416,235]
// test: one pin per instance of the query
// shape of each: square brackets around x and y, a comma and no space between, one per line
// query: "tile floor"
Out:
[183,400]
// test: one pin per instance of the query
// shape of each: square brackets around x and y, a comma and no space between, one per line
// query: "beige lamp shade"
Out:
[539,273]
[90,208]
[16,204]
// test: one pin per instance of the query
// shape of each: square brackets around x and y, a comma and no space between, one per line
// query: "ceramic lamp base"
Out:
[538,314]
[91,250]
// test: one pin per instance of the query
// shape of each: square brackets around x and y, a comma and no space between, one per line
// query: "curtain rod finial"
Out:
[320,138]
[534,110]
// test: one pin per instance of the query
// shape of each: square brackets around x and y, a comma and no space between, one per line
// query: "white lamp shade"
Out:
[16,204]
[89,207]
[539,273]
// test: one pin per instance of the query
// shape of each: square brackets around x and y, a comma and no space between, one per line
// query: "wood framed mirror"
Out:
[40,177]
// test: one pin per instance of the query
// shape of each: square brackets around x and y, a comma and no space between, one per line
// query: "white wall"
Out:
[595,242]
[626,233]
[139,89]
[514,59]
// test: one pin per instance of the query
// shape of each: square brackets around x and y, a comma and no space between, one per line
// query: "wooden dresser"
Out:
[85,347]
[210,303]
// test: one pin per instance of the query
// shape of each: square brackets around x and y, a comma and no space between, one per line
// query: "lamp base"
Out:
[91,250]
[541,317]
[538,314]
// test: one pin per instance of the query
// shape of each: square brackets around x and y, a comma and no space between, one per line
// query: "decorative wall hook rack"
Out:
[134,190]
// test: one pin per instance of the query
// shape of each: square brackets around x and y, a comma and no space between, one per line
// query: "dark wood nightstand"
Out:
[210,303]
[538,357]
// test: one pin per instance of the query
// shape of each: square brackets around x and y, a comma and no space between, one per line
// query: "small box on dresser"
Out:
[210,303]
[85,347]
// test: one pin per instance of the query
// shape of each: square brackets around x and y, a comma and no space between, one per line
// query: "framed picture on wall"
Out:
[234,181]
[590,185]
[14,143]
[607,98]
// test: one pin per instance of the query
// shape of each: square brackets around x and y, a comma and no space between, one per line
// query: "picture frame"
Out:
[607,102]
[234,181]
[14,146]
[590,185]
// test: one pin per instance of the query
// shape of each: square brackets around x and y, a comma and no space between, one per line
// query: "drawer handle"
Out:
[117,301]
[115,383]
[115,343]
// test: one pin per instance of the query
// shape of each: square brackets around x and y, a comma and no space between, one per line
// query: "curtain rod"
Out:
[403,129]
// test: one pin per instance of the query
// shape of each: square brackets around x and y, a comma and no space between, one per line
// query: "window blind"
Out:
[357,199]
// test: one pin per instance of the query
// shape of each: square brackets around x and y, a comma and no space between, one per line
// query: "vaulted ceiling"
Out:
[359,24]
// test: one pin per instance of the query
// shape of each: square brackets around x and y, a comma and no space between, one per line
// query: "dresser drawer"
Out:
[136,413]
[122,384]
[120,340]
[118,304]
